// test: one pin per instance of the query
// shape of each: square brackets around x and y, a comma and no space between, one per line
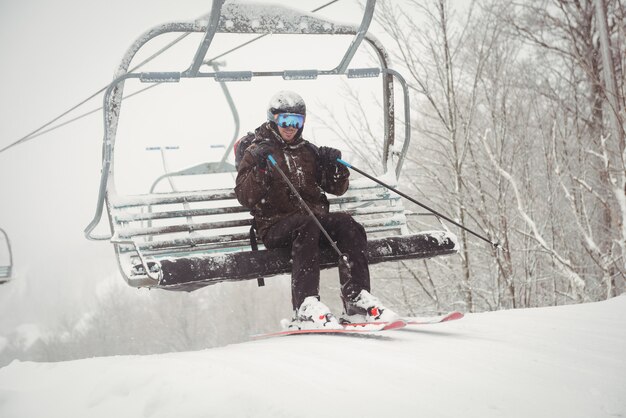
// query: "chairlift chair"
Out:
[6,263]
[206,238]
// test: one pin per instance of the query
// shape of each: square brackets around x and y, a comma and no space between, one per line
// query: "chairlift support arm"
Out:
[214,19]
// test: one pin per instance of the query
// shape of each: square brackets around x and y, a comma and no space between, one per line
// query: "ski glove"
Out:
[260,152]
[328,156]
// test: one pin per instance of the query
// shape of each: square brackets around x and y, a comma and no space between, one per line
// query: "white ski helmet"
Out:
[285,102]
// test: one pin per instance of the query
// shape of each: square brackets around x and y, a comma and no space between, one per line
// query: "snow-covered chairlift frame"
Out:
[192,262]
[6,267]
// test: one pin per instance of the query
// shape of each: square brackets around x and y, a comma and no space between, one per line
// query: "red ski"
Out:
[347,329]
[452,316]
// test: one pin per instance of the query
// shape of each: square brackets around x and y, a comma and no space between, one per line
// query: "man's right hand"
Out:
[260,152]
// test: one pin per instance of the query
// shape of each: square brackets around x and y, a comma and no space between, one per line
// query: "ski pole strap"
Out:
[494,244]
[305,206]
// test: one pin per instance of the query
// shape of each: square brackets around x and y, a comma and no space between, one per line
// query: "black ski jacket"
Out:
[265,192]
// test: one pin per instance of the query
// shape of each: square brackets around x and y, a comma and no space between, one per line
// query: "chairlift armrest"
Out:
[160,77]
[300,74]
[363,72]
[233,76]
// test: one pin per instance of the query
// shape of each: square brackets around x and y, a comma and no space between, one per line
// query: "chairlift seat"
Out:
[191,273]
[189,240]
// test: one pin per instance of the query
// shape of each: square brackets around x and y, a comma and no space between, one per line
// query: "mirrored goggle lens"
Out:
[289,120]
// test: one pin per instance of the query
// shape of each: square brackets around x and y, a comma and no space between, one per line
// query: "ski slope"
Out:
[565,361]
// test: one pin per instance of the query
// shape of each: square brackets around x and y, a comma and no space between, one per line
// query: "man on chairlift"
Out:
[293,215]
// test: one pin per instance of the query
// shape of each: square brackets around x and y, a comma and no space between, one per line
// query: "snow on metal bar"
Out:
[361,198]
[393,221]
[385,230]
[374,210]
[145,216]
[240,17]
[222,240]
[300,74]
[176,197]
[233,76]
[202,196]
[186,227]
[160,77]
[363,72]
[229,194]
[183,251]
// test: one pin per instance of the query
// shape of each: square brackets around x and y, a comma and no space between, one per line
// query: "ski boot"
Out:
[313,314]
[366,308]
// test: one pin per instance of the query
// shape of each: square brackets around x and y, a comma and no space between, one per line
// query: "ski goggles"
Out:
[289,120]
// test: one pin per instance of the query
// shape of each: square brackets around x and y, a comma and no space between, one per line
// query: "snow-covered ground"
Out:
[566,361]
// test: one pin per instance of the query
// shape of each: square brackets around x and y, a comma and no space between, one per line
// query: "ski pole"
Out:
[344,262]
[305,206]
[494,244]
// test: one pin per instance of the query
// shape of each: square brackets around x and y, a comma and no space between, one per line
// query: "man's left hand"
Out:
[329,156]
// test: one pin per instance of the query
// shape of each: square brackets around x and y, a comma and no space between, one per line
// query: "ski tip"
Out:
[452,316]
[395,325]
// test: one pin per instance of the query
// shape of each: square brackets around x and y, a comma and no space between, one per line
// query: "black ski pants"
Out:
[304,237]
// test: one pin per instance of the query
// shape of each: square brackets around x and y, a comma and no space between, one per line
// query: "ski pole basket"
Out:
[184,240]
